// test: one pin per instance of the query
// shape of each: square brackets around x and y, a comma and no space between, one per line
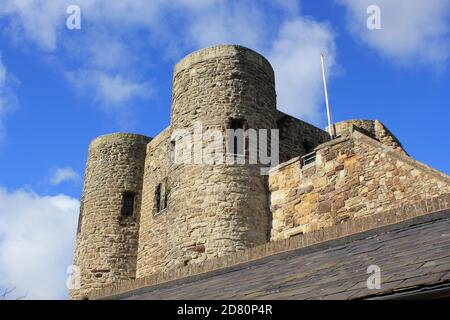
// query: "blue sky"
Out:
[61,88]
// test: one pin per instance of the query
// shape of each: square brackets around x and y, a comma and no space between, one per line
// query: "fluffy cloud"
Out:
[295,56]
[412,31]
[64,174]
[33,20]
[111,90]
[36,243]
[109,53]
[8,99]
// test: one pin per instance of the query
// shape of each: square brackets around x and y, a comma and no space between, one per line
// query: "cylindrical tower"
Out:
[209,209]
[107,238]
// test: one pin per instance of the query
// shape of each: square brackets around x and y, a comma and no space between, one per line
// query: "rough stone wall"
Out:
[151,236]
[297,137]
[106,245]
[372,128]
[352,176]
[211,209]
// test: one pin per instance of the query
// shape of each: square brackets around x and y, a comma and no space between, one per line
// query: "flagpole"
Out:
[330,127]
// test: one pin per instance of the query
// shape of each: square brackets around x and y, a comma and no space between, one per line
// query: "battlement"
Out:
[143,215]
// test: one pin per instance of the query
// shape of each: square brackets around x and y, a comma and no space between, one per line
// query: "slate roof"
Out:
[413,256]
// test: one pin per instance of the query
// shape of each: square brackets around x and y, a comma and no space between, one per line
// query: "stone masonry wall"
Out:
[156,171]
[106,245]
[372,128]
[353,176]
[297,137]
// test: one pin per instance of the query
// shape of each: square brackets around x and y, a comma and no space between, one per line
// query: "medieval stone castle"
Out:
[143,214]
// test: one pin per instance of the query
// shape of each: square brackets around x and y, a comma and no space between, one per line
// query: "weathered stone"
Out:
[324,207]
[207,211]
[376,179]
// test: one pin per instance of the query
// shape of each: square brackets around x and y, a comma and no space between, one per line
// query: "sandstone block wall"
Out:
[352,176]
[106,245]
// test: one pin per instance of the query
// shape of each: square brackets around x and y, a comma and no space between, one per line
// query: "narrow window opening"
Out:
[128,204]
[161,196]
[237,129]
[158,198]
[173,151]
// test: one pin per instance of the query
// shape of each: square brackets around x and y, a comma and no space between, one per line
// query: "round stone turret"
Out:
[107,238]
[209,209]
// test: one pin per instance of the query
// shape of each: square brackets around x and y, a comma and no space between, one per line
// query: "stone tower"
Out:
[107,238]
[210,210]
[144,212]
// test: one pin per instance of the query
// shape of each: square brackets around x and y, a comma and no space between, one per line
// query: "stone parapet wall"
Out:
[372,128]
[352,176]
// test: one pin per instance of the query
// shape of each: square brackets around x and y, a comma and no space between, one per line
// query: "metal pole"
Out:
[330,128]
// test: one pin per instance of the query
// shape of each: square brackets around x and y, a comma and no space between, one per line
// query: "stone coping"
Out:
[162,137]
[376,144]
[345,231]
[402,157]
[107,138]
[223,51]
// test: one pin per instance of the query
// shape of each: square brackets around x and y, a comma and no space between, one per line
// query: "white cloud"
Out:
[8,99]
[37,236]
[412,31]
[295,56]
[109,55]
[225,22]
[96,58]
[64,174]
[37,21]
[112,91]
